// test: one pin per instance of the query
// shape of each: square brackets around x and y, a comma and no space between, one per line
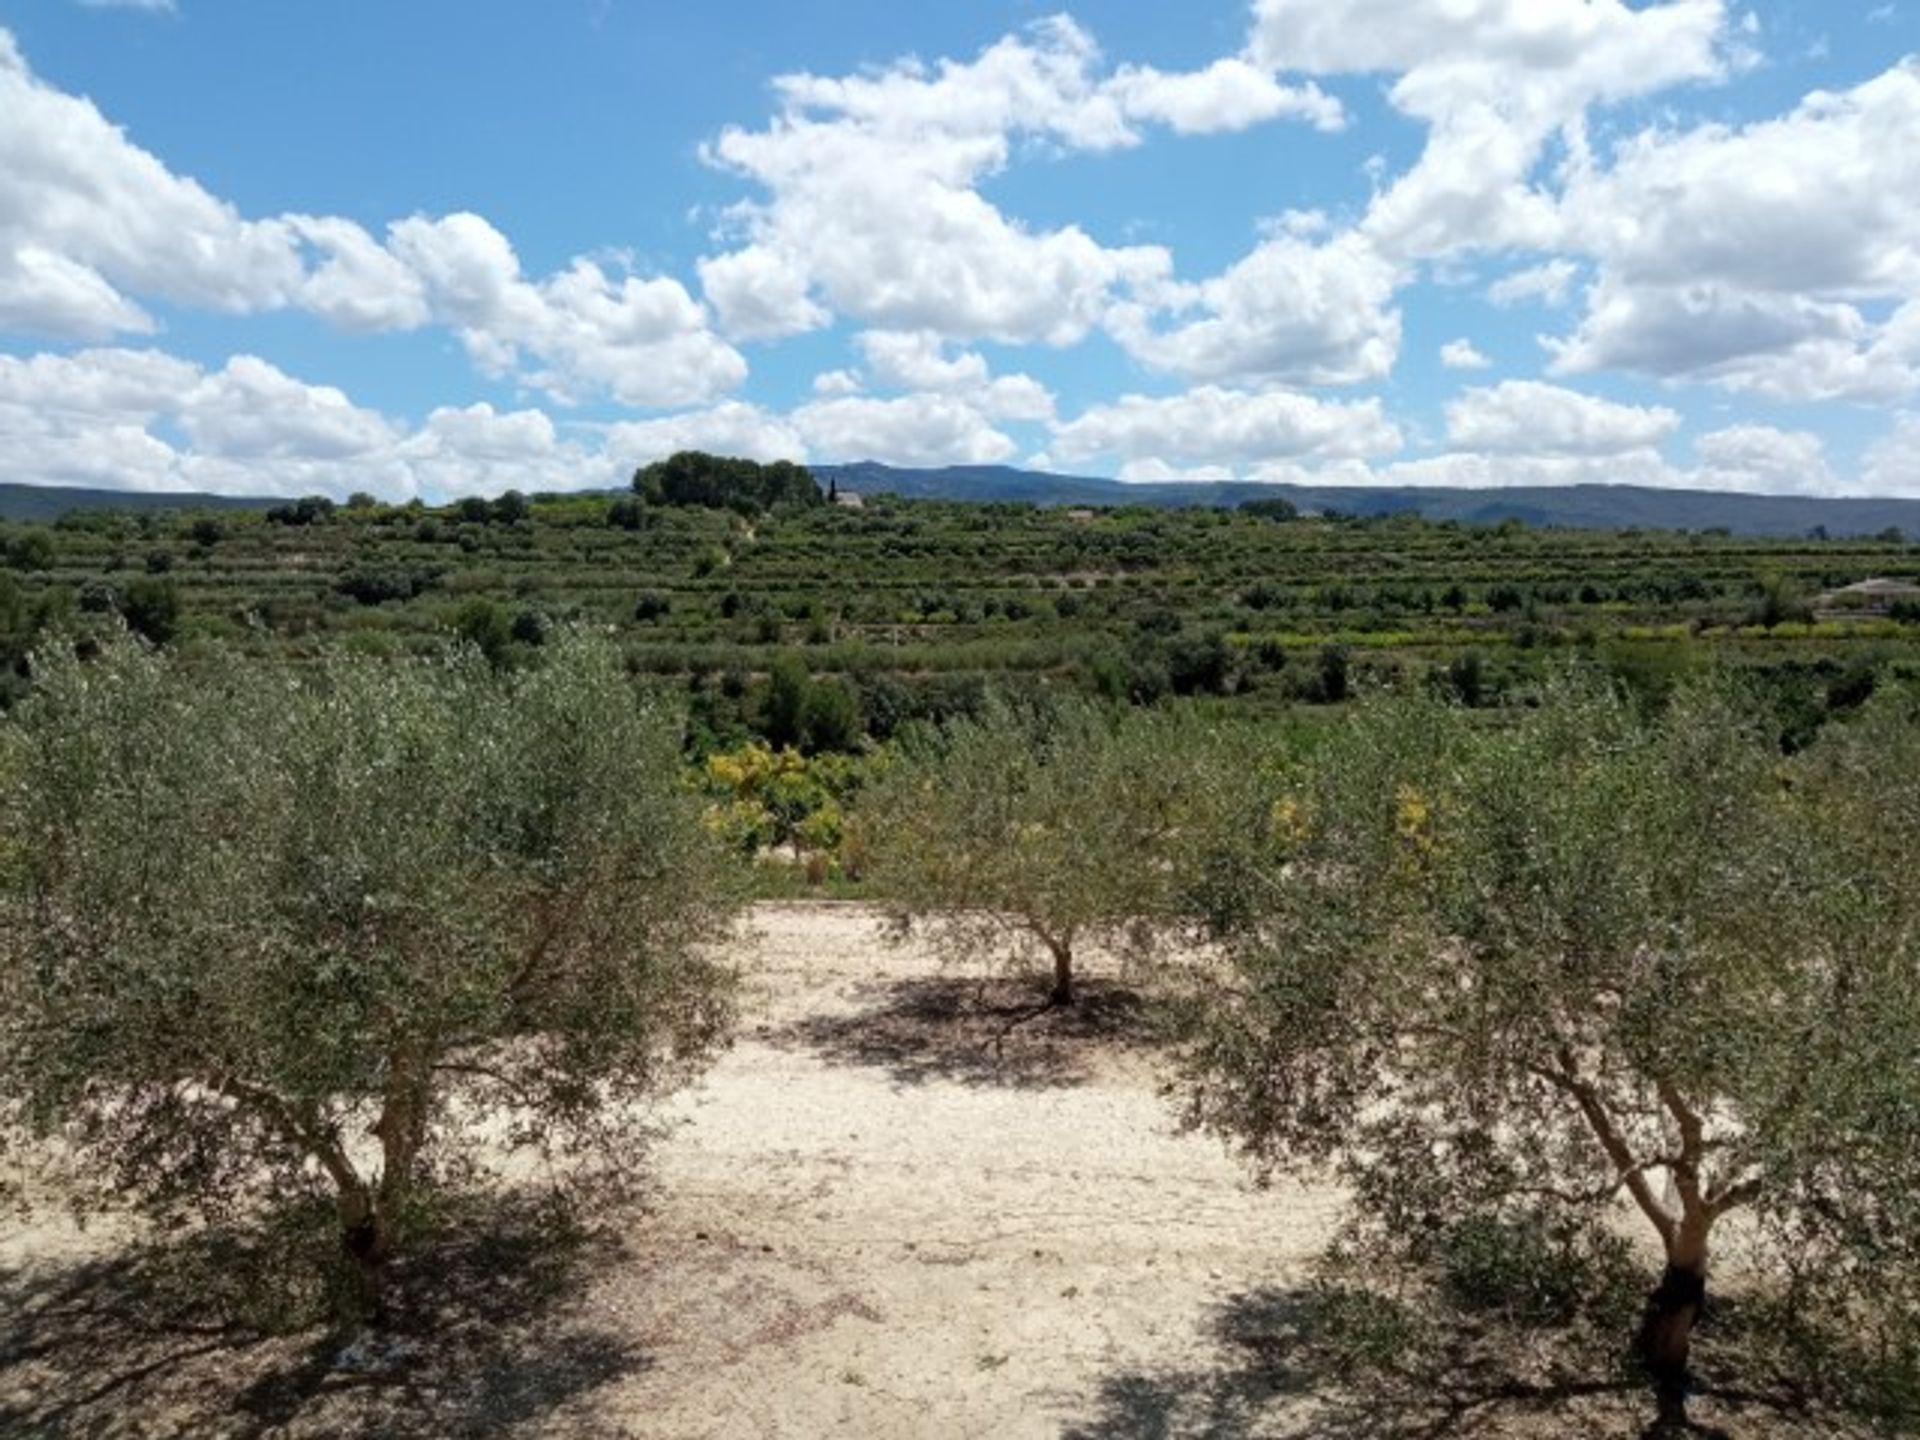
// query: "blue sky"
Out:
[436,248]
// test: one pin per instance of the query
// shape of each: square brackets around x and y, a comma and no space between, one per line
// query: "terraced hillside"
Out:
[909,599]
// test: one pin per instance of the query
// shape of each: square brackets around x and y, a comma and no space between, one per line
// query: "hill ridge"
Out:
[1614,507]
[1597,507]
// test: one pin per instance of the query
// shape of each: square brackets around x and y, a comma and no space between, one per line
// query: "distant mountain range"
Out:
[1615,507]
[1589,507]
[50,502]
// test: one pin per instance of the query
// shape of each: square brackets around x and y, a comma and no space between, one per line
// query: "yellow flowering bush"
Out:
[762,797]
[1413,817]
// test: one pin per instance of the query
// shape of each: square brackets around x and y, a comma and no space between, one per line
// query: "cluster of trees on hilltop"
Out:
[720,482]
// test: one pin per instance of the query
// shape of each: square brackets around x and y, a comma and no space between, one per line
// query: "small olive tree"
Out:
[269,932]
[1527,969]
[1029,833]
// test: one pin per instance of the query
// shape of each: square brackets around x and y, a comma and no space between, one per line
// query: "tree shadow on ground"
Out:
[1280,1368]
[486,1338]
[993,1032]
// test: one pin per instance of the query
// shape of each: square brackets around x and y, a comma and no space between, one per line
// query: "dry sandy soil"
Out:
[889,1211]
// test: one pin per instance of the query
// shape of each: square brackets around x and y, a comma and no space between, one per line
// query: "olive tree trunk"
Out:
[366,1240]
[1062,952]
[1673,1309]
[1666,1333]
[369,1213]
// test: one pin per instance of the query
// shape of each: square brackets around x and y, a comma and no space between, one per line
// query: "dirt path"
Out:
[871,1221]
[907,1234]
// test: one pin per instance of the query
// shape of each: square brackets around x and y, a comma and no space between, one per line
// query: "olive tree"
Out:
[1028,834]
[344,930]
[1837,1188]
[1579,960]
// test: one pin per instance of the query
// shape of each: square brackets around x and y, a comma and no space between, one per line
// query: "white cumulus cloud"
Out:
[87,216]
[1493,80]
[1751,255]
[907,430]
[733,427]
[91,225]
[872,210]
[1292,311]
[145,420]
[1763,458]
[1463,354]
[643,341]
[1528,417]
[1548,283]
[917,360]
[1229,94]
[1212,429]
[1893,461]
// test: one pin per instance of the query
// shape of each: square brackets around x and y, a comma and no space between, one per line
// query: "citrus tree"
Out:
[270,933]
[1579,962]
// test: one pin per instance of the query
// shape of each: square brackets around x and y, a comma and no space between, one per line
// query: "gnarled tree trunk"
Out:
[369,1212]
[1062,952]
[1666,1334]
[401,1130]
[366,1239]
[366,1234]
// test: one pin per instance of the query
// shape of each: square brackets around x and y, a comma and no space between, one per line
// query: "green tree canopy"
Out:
[1584,960]
[1271,508]
[151,608]
[692,477]
[28,549]
[275,933]
[1028,834]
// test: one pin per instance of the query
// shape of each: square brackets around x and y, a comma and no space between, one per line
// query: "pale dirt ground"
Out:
[888,1211]
[870,1221]
[924,1240]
